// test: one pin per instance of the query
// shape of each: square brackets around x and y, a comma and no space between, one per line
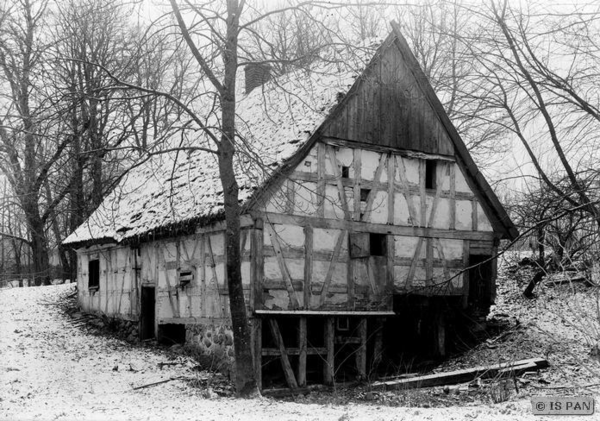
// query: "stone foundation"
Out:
[213,345]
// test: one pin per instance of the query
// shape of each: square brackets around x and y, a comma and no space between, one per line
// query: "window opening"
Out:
[378,244]
[345,172]
[364,195]
[430,178]
[185,276]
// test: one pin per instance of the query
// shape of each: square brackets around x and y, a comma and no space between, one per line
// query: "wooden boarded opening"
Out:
[297,351]
[423,331]
[147,313]
[481,283]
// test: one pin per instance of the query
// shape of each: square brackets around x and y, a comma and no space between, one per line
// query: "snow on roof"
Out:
[273,122]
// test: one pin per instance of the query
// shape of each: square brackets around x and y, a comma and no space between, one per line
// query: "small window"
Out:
[430,174]
[345,172]
[363,244]
[94,274]
[364,194]
[378,244]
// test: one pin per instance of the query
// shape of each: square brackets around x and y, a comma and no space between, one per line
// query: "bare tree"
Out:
[25,159]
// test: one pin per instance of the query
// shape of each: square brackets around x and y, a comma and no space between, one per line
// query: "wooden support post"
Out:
[321,150]
[391,188]
[285,361]
[350,278]
[356,187]
[429,262]
[378,346]
[440,333]
[257,265]
[257,339]
[331,269]
[308,266]
[422,195]
[302,344]
[465,275]
[361,355]
[294,303]
[452,195]
[494,274]
[391,254]
[474,222]
[329,366]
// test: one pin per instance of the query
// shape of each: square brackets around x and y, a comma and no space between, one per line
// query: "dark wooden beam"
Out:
[285,361]
[302,343]
[329,365]
[462,376]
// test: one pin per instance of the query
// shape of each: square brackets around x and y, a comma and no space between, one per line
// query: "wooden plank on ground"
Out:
[462,376]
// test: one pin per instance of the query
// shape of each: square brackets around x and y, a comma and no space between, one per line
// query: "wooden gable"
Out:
[388,108]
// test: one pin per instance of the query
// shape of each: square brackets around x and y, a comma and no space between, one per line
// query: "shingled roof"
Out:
[178,187]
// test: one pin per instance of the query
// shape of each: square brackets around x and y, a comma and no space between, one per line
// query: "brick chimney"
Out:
[256,75]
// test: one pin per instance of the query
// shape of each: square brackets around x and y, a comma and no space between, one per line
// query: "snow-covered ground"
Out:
[53,370]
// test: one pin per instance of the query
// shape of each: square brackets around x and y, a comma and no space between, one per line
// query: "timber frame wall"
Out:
[382,200]
[308,252]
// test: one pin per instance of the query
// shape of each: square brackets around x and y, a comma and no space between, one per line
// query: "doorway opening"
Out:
[147,316]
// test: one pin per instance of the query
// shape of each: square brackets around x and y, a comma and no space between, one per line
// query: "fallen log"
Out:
[159,382]
[463,376]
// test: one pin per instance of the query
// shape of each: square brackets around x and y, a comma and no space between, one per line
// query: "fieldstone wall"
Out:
[213,345]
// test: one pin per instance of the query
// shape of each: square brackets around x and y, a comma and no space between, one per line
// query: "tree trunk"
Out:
[39,248]
[528,293]
[244,367]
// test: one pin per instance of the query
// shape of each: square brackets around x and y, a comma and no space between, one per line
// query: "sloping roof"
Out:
[178,187]
[275,122]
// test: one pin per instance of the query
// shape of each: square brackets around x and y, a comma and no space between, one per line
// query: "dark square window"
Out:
[345,172]
[94,273]
[430,178]
[364,194]
[378,244]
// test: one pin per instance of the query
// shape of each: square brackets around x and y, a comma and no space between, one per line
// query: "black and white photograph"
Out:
[299,210]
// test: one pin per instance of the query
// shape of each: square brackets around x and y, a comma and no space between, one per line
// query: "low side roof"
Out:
[274,121]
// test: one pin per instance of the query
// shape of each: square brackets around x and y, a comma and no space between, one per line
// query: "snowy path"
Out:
[51,370]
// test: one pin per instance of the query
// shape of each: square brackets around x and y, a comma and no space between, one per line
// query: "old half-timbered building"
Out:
[367,229]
